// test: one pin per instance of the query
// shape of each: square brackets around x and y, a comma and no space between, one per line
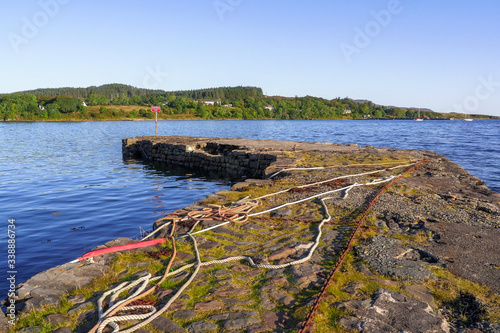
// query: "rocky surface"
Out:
[469,251]
[437,219]
[392,312]
[48,287]
[389,257]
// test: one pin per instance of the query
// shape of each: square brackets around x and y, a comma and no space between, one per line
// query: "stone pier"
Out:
[235,157]
[425,260]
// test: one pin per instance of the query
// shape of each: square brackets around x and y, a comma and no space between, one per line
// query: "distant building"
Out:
[41,107]
[269,107]
[210,101]
[367,116]
[228,105]
[347,111]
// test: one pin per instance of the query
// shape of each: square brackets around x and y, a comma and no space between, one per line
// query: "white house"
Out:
[41,107]
[210,101]
[347,111]
[269,107]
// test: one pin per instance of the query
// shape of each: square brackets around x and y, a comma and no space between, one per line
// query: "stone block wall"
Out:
[206,153]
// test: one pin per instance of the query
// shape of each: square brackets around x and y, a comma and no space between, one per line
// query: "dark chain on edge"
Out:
[322,292]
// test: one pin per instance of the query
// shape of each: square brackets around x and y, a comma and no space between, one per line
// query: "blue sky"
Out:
[442,55]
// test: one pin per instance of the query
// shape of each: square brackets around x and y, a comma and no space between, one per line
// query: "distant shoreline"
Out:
[222,119]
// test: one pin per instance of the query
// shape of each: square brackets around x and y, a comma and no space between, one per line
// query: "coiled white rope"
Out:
[114,294]
[147,278]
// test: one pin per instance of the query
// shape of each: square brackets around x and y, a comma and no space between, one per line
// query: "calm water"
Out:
[68,188]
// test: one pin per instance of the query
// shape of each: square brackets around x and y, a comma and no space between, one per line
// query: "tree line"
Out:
[129,95]
[106,102]
[303,108]
[108,90]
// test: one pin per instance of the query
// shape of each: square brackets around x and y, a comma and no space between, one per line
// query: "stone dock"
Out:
[426,259]
[233,157]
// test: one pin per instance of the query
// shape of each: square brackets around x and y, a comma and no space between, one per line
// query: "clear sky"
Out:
[438,54]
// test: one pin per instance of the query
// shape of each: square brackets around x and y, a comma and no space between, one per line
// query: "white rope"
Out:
[346,193]
[377,181]
[199,264]
[294,169]
[287,190]
[153,314]
[103,297]
[144,279]
[113,320]
[322,168]
[155,231]
[347,188]
[331,180]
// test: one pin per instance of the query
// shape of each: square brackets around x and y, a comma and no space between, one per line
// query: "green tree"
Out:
[378,114]
[68,104]
[179,104]
[133,114]
[96,99]
[53,111]
[411,114]
[136,100]
[82,109]
[399,113]
[203,111]
[145,113]
[42,114]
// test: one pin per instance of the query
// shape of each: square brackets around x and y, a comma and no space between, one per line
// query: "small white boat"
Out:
[468,119]
[418,117]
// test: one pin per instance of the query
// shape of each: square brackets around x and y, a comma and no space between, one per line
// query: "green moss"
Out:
[405,190]
[35,318]
[327,317]
[447,288]
[318,159]
[326,320]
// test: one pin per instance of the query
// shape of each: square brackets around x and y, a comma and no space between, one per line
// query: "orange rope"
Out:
[238,214]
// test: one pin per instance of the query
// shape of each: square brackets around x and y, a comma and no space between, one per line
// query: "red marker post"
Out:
[156,109]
